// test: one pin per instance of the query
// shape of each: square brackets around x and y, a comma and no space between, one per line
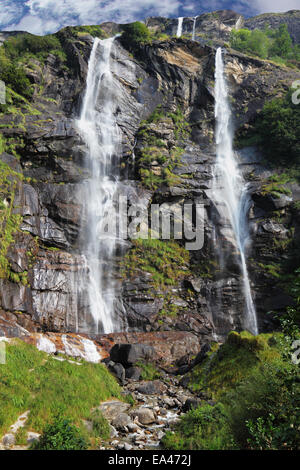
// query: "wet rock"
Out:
[33,437]
[144,415]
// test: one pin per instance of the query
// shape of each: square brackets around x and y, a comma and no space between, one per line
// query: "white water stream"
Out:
[179,27]
[229,188]
[101,135]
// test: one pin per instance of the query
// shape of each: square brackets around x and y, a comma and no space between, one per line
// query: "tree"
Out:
[282,45]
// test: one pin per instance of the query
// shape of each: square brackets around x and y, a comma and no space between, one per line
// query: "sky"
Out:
[48,16]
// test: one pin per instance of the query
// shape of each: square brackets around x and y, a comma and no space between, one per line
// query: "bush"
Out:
[15,77]
[61,435]
[21,44]
[135,34]
[264,410]
[279,128]
[204,428]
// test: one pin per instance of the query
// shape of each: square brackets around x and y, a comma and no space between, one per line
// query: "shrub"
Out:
[135,34]
[279,128]
[15,77]
[61,435]
[204,428]
[264,410]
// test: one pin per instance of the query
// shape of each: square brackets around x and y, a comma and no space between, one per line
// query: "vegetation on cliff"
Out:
[257,388]
[269,44]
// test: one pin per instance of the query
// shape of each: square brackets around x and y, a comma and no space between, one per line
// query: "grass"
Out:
[149,371]
[32,380]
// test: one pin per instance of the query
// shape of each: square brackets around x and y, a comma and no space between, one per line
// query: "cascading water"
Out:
[229,188]
[194,27]
[98,128]
[179,27]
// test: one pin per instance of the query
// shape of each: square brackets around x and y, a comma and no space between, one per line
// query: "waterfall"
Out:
[98,128]
[179,27]
[194,27]
[229,188]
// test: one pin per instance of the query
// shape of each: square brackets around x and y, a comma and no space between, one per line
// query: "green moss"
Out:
[232,361]
[9,221]
[167,261]
[157,150]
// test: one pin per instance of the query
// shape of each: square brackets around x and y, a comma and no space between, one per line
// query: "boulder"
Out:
[144,415]
[130,354]
[119,371]
[112,409]
[121,421]
[133,373]
[156,387]
[9,440]
[190,404]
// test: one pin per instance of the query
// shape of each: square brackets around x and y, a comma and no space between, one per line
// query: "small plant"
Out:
[61,435]
[100,425]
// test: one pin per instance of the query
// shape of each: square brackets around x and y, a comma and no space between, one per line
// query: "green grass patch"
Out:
[167,261]
[32,380]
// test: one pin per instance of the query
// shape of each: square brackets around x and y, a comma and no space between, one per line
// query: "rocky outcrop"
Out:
[43,281]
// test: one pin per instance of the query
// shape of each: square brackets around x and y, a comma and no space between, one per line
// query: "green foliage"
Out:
[275,185]
[22,44]
[134,35]
[203,428]
[258,391]
[15,54]
[227,366]
[264,409]
[9,221]
[254,42]
[166,260]
[15,77]
[32,380]
[61,435]
[149,371]
[282,44]
[279,129]
[100,425]
[270,44]
[157,150]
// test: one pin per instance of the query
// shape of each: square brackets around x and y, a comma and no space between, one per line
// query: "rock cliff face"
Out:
[42,172]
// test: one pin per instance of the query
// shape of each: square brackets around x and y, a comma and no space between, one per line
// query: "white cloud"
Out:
[273,6]
[9,11]
[46,16]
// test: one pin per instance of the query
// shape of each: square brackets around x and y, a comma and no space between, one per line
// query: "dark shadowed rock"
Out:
[190,404]
[129,354]
[133,373]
